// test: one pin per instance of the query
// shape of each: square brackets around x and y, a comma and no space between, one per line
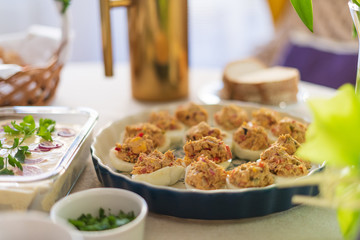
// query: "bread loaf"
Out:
[251,81]
[238,68]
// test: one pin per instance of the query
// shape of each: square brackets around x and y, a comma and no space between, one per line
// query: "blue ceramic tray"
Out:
[195,204]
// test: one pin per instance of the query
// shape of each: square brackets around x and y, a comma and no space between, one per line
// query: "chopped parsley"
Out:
[87,222]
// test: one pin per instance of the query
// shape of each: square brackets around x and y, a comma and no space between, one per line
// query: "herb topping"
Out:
[86,222]
[17,152]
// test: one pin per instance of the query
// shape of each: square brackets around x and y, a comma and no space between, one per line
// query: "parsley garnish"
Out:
[86,222]
[17,152]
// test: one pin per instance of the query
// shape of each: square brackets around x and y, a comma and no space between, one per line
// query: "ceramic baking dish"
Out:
[177,201]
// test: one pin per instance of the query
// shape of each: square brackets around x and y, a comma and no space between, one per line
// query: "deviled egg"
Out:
[123,156]
[249,141]
[205,174]
[213,148]
[289,143]
[158,168]
[266,118]
[165,121]
[283,164]
[191,114]
[157,135]
[203,129]
[230,117]
[251,174]
[291,126]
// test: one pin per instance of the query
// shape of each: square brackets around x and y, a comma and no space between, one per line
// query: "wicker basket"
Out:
[32,86]
[35,86]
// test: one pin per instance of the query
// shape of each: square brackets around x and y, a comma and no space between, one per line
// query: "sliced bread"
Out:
[271,85]
[238,68]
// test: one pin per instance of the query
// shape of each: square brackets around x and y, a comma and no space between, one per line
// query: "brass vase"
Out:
[158,42]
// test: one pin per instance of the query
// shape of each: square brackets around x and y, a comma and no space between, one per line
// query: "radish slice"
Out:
[66,132]
[37,149]
[47,146]
[34,161]
[28,170]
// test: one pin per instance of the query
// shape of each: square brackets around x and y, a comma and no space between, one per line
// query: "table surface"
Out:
[84,85]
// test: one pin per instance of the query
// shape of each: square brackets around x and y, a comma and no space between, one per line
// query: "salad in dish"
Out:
[43,152]
[30,148]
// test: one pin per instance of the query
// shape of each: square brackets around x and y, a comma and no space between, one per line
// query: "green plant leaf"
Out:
[27,128]
[333,137]
[1,162]
[349,222]
[66,4]
[10,130]
[349,217]
[13,162]
[356,2]
[305,11]
[15,143]
[334,134]
[21,154]
[46,127]
[6,171]
[87,222]
[28,122]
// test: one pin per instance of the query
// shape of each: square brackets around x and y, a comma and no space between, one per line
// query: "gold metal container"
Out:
[158,41]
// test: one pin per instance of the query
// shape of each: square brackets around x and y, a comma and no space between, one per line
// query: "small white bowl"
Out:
[90,201]
[33,225]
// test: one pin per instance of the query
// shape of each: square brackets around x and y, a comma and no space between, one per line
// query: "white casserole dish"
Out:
[40,192]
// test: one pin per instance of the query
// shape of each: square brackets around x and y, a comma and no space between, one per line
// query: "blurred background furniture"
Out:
[31,61]
[219,31]
[328,56]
